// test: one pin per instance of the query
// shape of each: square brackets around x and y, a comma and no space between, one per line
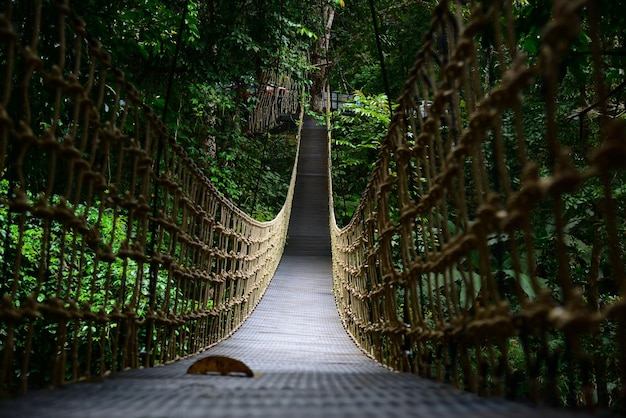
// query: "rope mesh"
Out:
[437,271]
[111,257]
[276,97]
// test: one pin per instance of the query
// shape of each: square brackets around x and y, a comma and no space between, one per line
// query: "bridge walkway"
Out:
[305,363]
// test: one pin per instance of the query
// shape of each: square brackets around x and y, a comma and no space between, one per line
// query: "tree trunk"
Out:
[319,58]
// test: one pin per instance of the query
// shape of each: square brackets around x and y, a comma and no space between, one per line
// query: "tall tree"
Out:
[320,54]
[353,47]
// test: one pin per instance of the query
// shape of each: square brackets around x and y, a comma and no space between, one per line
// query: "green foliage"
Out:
[354,51]
[55,260]
[358,129]
[225,49]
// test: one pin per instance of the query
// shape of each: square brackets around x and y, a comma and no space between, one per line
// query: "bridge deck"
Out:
[305,362]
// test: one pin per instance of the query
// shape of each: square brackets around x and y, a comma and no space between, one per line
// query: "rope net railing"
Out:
[276,97]
[463,260]
[116,250]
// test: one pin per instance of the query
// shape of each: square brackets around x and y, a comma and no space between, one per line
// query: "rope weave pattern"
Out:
[276,96]
[419,271]
[116,250]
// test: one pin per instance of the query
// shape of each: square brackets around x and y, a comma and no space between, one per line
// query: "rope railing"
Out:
[462,262]
[276,96]
[116,251]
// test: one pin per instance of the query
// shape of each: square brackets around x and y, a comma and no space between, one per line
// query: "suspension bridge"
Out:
[122,265]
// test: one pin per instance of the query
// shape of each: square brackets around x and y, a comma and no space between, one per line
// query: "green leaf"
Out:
[526,284]
[461,277]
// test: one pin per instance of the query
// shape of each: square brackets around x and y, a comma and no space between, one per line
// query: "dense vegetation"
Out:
[210,56]
[357,68]
[198,64]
